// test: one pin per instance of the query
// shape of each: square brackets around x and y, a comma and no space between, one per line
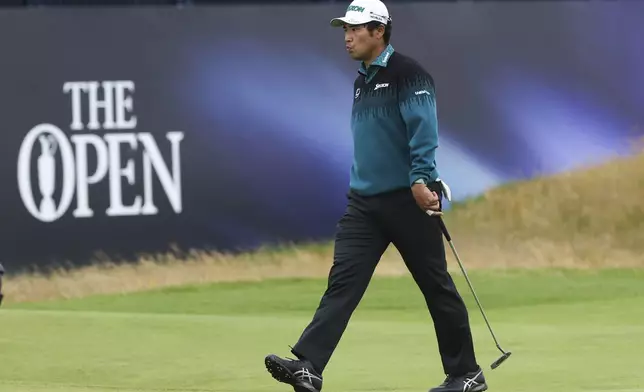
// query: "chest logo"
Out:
[381,85]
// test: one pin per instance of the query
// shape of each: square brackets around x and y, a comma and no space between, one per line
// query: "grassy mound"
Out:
[586,218]
[583,219]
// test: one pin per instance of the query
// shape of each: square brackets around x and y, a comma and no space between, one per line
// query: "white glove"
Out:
[446,191]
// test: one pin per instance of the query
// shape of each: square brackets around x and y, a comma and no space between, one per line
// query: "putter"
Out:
[448,195]
[505,354]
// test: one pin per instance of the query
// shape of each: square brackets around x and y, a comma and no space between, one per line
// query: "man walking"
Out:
[394,189]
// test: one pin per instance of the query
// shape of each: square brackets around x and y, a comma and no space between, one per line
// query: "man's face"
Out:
[360,43]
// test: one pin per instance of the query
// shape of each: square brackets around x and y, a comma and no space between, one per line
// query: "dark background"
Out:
[524,88]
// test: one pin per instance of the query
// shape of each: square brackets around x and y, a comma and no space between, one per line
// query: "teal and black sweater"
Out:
[394,125]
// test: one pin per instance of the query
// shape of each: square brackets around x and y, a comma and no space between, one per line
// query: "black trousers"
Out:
[364,232]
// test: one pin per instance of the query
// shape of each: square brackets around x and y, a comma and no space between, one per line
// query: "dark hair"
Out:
[371,26]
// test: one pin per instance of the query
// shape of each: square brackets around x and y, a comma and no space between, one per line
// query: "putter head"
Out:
[501,359]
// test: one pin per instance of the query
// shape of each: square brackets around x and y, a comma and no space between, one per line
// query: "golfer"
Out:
[394,188]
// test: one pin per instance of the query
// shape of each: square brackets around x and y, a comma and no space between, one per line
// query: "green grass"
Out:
[568,330]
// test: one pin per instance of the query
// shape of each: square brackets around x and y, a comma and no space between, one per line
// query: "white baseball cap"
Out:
[363,11]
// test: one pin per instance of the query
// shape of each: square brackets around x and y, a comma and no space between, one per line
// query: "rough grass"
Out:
[588,218]
[592,218]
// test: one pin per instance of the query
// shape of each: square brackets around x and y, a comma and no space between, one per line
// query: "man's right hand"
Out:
[426,199]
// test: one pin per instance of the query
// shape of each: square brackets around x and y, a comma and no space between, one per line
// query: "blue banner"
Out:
[132,130]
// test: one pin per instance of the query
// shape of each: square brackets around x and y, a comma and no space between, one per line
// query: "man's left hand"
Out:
[426,199]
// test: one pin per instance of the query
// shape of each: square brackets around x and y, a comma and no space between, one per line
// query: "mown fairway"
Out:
[569,331]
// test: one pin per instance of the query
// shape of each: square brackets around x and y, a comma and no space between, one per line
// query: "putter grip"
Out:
[444,229]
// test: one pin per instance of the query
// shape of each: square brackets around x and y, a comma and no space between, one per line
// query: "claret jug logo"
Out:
[59,160]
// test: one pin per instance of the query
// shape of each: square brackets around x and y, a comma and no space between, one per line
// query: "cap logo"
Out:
[377,17]
[356,8]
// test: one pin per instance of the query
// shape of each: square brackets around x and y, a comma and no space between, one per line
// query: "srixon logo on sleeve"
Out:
[54,169]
